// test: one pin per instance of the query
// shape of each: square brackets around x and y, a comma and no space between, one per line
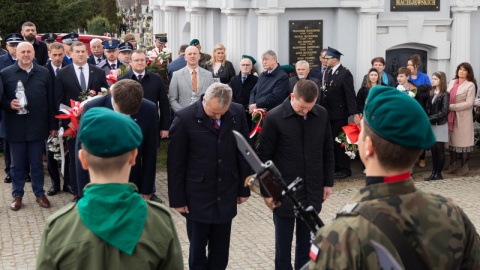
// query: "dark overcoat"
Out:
[340,100]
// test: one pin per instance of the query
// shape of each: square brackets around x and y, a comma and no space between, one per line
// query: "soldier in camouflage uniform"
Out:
[420,230]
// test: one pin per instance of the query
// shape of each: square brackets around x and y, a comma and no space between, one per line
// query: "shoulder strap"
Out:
[410,258]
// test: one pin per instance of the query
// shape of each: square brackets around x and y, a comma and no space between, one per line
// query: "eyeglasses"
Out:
[245,65]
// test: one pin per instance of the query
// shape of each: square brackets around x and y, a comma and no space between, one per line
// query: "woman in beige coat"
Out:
[460,120]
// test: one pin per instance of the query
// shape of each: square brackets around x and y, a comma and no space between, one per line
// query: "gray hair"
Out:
[302,62]
[269,54]
[95,40]
[220,91]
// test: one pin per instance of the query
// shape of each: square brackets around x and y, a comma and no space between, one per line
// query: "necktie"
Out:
[113,66]
[83,84]
[140,78]
[243,79]
[216,126]
[56,70]
[99,60]
[194,81]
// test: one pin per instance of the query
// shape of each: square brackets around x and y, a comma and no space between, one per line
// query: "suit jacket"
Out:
[175,65]
[6,60]
[293,80]
[67,86]
[40,119]
[340,100]
[106,66]
[271,89]
[91,59]
[205,169]
[52,72]
[225,72]
[41,52]
[143,173]
[154,90]
[181,88]
[241,92]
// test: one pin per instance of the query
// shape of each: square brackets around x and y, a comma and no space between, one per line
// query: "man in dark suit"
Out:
[111,61]
[340,102]
[97,55]
[242,85]
[6,60]
[206,173]
[272,86]
[69,83]
[29,33]
[302,68]
[178,63]
[126,98]
[26,132]
[318,71]
[56,62]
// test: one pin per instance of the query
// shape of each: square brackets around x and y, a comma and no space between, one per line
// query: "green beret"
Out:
[194,42]
[288,68]
[251,58]
[106,133]
[398,118]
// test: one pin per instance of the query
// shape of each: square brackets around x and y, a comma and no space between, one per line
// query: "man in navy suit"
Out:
[127,98]
[69,83]
[206,173]
[56,53]
[178,63]
[97,55]
[26,133]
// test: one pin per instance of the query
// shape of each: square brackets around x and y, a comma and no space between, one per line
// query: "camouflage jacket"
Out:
[438,230]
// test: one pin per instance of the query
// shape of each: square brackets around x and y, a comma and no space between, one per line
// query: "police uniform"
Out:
[110,44]
[418,229]
[125,47]
[114,227]
[49,38]
[68,39]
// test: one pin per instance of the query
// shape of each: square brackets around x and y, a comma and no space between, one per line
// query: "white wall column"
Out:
[235,39]
[157,19]
[170,26]
[366,42]
[197,24]
[460,37]
[267,38]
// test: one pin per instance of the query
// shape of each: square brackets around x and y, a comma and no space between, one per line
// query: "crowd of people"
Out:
[110,165]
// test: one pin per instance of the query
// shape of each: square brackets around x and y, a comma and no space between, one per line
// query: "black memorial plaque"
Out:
[414,5]
[305,41]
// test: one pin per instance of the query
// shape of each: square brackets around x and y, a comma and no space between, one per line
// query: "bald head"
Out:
[25,55]
[192,56]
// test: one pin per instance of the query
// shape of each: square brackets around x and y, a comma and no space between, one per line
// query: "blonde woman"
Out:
[222,70]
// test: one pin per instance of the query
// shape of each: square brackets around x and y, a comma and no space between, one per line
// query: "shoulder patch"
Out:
[160,206]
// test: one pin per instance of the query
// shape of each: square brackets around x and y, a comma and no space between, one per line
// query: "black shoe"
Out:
[437,176]
[28,179]
[53,191]
[341,175]
[68,189]
[7,179]
[430,177]
[154,198]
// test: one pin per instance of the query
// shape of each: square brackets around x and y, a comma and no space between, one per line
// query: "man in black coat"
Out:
[26,133]
[302,68]
[318,71]
[29,32]
[153,88]
[69,83]
[296,136]
[340,102]
[126,98]
[272,86]
[206,173]
[242,85]
[97,55]
[56,62]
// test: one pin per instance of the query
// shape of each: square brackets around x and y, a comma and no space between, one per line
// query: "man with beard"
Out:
[97,55]
[29,33]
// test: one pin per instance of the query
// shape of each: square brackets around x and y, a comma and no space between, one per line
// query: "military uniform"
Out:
[425,220]
[60,248]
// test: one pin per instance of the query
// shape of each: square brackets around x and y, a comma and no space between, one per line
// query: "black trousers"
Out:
[54,171]
[214,237]
[72,165]
[342,161]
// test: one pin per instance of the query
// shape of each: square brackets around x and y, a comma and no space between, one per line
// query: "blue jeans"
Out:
[23,153]
[284,227]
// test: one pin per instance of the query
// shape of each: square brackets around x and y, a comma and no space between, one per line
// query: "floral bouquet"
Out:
[71,113]
[114,74]
[155,62]
[91,94]
[411,93]
[348,139]
[53,145]
[258,116]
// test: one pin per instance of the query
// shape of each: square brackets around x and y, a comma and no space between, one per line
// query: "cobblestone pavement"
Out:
[252,242]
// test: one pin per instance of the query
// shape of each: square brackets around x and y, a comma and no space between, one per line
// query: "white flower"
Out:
[337,140]
[477,102]
[412,94]
[401,87]
[351,154]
